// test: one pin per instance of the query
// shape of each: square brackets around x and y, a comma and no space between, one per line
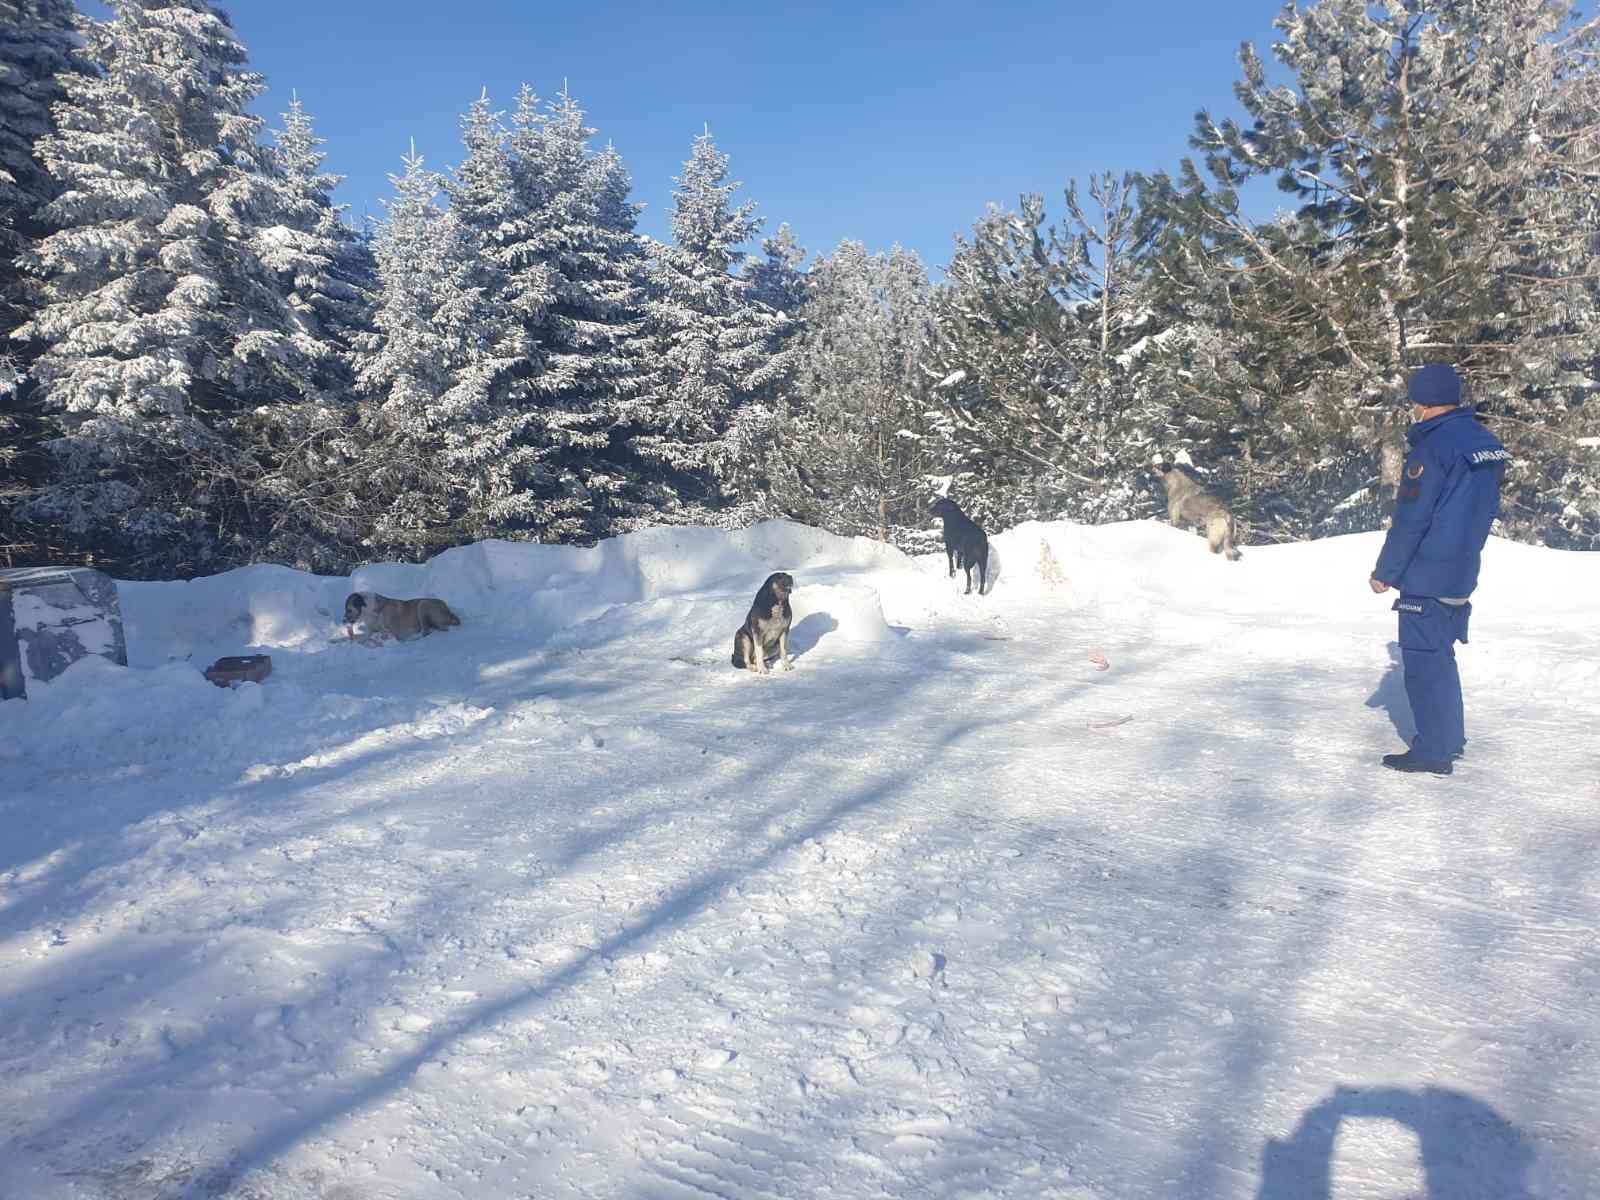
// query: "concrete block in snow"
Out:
[50,617]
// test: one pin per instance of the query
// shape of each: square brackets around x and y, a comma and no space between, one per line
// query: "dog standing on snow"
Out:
[1189,503]
[399,619]
[765,631]
[965,545]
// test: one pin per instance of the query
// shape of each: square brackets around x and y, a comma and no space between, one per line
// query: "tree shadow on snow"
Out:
[1468,1150]
[1206,915]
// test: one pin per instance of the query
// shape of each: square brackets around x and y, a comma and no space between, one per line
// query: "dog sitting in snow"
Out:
[401,619]
[1190,504]
[765,631]
[965,545]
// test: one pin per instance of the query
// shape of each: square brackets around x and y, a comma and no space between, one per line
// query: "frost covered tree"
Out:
[1439,157]
[1048,399]
[324,267]
[436,466]
[36,41]
[303,448]
[851,450]
[711,352]
[503,456]
[158,324]
[778,277]
[36,45]
[576,267]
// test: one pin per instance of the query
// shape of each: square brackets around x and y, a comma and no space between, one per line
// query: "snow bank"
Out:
[664,593]
[97,717]
[258,607]
[532,591]
[681,591]
[1152,565]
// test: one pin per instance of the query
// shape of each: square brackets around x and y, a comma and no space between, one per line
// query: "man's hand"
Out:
[1378,585]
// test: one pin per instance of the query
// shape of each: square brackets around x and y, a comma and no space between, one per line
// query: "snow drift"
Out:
[532,591]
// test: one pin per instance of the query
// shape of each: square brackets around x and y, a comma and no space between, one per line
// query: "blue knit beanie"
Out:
[1435,385]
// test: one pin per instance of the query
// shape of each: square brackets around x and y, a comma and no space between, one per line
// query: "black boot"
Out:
[1410,762]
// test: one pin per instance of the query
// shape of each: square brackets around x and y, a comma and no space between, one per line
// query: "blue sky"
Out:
[880,121]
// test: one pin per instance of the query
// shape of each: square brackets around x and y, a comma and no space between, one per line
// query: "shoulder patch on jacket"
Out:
[1488,457]
[1414,471]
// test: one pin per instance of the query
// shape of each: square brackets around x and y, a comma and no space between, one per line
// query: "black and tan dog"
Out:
[765,631]
[965,545]
[399,619]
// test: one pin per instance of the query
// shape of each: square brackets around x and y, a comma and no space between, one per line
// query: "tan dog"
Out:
[1190,504]
[401,619]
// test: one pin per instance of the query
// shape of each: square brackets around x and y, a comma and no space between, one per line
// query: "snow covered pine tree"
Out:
[159,324]
[713,351]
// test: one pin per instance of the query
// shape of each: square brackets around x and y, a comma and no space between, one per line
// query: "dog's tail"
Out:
[1221,533]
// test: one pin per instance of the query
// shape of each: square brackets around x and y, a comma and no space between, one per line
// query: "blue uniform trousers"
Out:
[1429,631]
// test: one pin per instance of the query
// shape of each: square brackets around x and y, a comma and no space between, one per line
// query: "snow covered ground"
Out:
[558,904]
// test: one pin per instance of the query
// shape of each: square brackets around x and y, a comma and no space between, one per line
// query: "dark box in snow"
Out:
[50,617]
[239,668]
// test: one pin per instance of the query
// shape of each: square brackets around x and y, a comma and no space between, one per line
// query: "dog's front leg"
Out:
[754,658]
[783,650]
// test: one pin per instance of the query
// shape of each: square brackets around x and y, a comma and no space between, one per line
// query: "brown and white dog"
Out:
[399,619]
[765,631]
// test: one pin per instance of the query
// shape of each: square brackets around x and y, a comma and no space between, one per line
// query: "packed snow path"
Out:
[560,905]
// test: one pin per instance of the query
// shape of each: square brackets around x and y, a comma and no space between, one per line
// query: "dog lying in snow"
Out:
[965,545]
[400,619]
[765,631]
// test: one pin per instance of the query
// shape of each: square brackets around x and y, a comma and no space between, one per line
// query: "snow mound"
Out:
[261,606]
[118,706]
[838,612]
[702,627]
[1154,567]
[532,591]
[807,548]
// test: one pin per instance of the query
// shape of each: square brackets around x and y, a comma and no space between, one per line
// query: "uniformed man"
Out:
[1448,498]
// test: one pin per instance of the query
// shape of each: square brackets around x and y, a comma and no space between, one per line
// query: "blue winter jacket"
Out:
[1449,495]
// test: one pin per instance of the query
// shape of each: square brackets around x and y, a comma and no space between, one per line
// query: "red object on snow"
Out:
[1100,661]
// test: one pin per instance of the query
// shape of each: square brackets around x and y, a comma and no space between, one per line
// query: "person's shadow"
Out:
[1391,696]
[1469,1151]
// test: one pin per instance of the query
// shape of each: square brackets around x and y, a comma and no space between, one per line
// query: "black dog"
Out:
[766,629]
[965,545]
